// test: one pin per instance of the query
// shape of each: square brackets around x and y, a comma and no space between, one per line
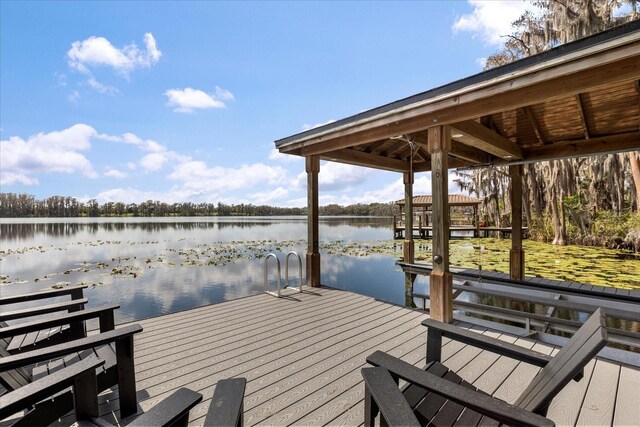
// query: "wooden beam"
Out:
[516,255]
[583,119]
[400,145]
[440,282]
[458,150]
[373,147]
[360,158]
[528,112]
[470,154]
[408,248]
[584,147]
[484,98]
[422,152]
[313,246]
[452,163]
[485,139]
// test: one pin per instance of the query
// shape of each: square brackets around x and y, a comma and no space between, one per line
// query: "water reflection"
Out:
[157,266]
[12,229]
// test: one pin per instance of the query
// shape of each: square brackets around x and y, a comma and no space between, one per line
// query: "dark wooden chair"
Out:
[173,411]
[114,346]
[439,396]
[12,308]
[225,410]
[227,404]
[81,377]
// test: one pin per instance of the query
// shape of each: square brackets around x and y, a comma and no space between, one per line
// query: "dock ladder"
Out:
[286,273]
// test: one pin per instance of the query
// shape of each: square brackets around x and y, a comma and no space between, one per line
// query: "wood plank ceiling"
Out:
[581,103]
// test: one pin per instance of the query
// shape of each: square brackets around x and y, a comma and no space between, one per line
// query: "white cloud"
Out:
[73,97]
[198,176]
[224,94]
[54,152]
[154,161]
[133,139]
[99,52]
[158,155]
[269,197]
[308,127]
[491,20]
[188,99]
[335,176]
[387,193]
[101,87]
[115,173]
[133,195]
[276,155]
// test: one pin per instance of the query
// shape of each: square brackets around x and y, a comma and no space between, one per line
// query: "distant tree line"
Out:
[27,206]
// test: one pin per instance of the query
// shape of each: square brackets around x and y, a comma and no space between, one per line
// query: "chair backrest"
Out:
[565,365]
[11,379]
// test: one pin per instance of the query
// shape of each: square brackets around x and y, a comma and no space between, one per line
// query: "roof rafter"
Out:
[361,158]
[583,118]
[575,76]
[528,112]
[458,149]
[486,140]
[584,147]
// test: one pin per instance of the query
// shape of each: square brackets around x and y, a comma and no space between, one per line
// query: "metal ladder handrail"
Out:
[266,264]
[286,270]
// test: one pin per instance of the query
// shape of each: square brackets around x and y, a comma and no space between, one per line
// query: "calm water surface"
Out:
[155,266]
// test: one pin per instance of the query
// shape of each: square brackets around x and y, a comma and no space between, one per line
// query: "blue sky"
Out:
[130,101]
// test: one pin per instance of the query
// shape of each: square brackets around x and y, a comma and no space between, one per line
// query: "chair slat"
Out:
[570,360]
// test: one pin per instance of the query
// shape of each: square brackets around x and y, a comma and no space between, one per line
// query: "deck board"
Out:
[302,357]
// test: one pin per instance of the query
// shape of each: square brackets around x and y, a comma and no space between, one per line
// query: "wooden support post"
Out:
[408,244]
[408,218]
[476,233]
[516,255]
[313,246]
[440,291]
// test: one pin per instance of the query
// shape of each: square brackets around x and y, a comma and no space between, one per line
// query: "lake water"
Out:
[155,266]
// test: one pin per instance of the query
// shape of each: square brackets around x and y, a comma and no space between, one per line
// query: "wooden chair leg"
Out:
[434,346]
[370,409]
[126,377]
[85,396]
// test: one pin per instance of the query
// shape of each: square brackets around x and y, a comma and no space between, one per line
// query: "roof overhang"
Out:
[578,99]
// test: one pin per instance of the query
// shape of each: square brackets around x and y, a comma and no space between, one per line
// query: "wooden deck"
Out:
[302,356]
[426,232]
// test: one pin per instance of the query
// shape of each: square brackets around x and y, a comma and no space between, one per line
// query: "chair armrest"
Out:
[479,402]
[169,410]
[74,291]
[63,319]
[227,404]
[56,351]
[44,309]
[382,393]
[34,392]
[438,329]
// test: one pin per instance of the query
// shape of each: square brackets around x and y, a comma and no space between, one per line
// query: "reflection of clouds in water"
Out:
[332,266]
[378,278]
[146,283]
